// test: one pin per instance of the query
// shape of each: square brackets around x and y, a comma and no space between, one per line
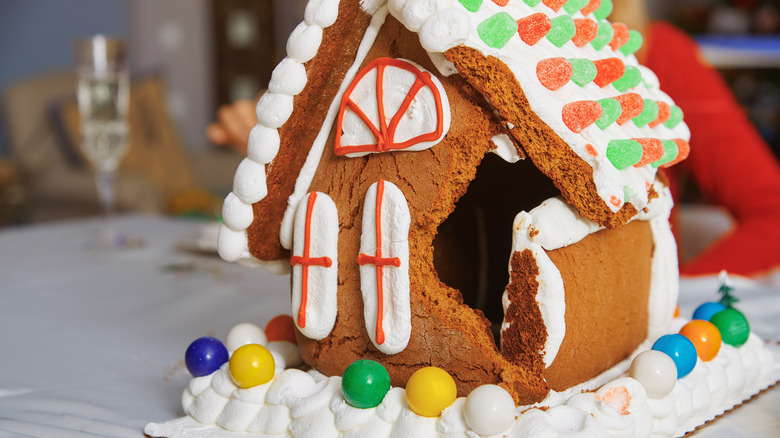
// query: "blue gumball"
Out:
[205,355]
[706,310]
[680,349]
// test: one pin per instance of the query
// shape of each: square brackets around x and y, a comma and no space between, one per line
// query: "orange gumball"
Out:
[677,311]
[705,337]
[281,328]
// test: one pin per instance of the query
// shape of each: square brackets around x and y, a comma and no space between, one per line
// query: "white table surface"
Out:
[92,343]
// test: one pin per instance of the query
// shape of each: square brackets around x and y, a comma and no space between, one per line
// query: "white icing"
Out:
[505,148]
[277,108]
[304,42]
[289,77]
[296,404]
[550,297]
[395,221]
[236,214]
[444,29]
[320,235]
[249,182]
[420,118]
[322,13]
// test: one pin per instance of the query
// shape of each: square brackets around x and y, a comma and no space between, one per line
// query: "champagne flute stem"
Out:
[106,194]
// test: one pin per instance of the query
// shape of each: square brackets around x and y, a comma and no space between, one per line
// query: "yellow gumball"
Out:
[251,365]
[429,391]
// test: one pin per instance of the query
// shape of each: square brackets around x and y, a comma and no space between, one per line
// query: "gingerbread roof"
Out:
[575,71]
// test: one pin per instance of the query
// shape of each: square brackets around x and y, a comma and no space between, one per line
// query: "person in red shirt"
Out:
[729,162]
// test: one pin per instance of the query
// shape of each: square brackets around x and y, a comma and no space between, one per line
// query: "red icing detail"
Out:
[385,133]
[554,4]
[683,149]
[618,398]
[608,71]
[631,104]
[620,36]
[501,2]
[586,31]
[664,112]
[652,150]
[591,150]
[305,261]
[579,115]
[590,7]
[614,200]
[554,73]
[380,262]
[533,28]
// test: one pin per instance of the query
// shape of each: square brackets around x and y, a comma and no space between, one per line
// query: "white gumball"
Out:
[489,410]
[243,334]
[288,350]
[656,372]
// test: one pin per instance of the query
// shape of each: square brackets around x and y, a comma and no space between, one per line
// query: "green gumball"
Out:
[365,384]
[732,325]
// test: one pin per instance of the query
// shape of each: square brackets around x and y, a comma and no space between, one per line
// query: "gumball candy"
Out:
[732,325]
[365,384]
[243,334]
[204,356]
[655,371]
[705,337]
[429,391]
[706,310]
[251,365]
[489,410]
[281,328]
[680,349]
[290,352]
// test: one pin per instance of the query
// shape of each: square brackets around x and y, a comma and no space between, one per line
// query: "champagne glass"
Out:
[103,98]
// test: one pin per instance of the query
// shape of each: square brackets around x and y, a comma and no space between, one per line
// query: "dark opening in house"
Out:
[473,245]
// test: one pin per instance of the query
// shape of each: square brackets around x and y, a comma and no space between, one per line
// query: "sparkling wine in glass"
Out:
[103,100]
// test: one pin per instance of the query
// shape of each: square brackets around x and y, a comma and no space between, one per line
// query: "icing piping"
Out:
[385,232]
[314,279]
[385,134]
[380,262]
[306,260]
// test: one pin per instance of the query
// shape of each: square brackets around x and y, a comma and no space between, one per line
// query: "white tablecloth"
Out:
[92,343]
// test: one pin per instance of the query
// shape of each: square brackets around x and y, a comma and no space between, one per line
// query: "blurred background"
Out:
[189,56]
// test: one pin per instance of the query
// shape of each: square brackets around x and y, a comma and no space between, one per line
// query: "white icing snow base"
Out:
[309,405]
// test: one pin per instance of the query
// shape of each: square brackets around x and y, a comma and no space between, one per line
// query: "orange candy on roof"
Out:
[554,73]
[586,31]
[579,115]
[632,105]
[533,28]
[609,70]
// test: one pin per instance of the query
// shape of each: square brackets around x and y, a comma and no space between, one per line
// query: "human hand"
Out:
[233,125]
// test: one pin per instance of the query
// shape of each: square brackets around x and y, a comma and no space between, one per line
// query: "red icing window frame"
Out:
[385,132]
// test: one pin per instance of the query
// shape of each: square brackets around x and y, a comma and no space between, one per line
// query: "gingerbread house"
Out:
[409,151]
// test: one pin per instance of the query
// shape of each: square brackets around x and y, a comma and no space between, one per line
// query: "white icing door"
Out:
[314,265]
[384,267]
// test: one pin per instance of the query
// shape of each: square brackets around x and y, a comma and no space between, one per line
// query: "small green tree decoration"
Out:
[726,289]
